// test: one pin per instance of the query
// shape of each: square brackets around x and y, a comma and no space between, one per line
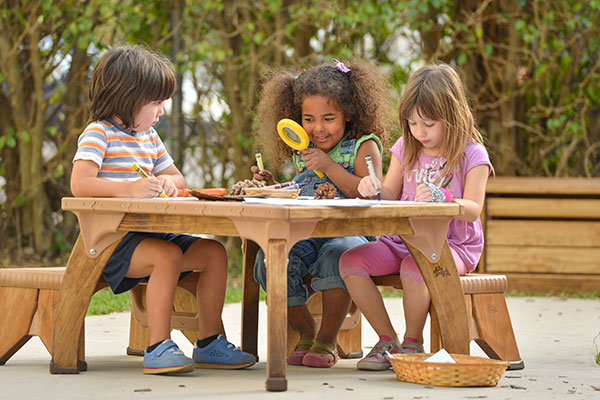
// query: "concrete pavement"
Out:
[555,338]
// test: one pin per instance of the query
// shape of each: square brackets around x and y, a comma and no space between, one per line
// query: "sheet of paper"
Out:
[175,198]
[441,356]
[307,202]
[311,202]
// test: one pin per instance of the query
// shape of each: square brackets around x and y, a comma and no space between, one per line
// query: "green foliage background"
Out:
[532,68]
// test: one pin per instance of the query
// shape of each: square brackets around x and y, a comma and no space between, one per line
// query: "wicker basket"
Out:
[468,370]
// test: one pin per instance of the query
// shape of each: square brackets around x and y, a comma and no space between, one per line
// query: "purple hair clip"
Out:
[340,66]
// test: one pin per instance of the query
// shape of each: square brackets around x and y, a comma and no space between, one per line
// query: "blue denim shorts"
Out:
[118,264]
[318,257]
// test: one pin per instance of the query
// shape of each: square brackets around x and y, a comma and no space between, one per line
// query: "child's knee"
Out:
[169,256]
[410,270]
[353,264]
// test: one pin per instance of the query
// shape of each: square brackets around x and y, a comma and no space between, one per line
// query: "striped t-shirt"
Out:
[115,149]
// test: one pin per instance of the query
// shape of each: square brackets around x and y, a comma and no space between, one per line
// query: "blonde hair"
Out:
[436,93]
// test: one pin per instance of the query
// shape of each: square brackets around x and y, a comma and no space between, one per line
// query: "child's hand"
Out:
[146,187]
[168,184]
[316,159]
[366,188]
[262,175]
[423,193]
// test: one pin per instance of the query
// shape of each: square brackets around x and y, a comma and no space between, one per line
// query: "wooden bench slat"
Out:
[537,259]
[579,234]
[543,186]
[529,208]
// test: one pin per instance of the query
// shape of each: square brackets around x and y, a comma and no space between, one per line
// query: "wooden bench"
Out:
[491,327]
[484,296]
[543,233]
[28,298]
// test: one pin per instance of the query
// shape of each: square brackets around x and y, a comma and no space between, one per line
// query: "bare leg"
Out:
[162,261]
[210,257]
[335,307]
[415,301]
[365,294]
[303,322]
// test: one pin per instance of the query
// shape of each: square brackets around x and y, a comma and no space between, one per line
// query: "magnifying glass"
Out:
[294,135]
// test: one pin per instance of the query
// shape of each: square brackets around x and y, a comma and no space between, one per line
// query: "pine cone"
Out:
[325,191]
[238,188]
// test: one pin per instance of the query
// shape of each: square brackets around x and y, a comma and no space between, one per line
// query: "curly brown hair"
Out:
[362,94]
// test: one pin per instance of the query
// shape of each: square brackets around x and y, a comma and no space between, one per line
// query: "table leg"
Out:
[250,297]
[447,297]
[276,314]
[79,282]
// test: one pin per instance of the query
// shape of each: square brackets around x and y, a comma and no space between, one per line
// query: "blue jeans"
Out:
[318,257]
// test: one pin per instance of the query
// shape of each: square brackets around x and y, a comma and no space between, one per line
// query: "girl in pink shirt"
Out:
[440,157]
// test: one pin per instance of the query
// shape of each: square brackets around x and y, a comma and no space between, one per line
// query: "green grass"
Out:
[571,294]
[106,302]
[597,358]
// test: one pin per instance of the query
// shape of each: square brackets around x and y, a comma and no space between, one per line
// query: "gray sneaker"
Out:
[375,360]
[411,348]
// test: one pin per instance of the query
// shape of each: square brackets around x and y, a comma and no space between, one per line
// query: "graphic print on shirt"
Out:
[432,172]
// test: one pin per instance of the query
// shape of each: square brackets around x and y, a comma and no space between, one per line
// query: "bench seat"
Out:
[28,298]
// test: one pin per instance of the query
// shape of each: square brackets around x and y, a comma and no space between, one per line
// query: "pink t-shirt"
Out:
[466,238]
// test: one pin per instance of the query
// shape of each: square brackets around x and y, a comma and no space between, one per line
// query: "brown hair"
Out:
[362,94]
[127,78]
[436,93]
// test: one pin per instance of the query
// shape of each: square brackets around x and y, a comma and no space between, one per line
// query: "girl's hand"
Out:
[262,175]
[146,187]
[168,184]
[423,193]
[366,188]
[316,159]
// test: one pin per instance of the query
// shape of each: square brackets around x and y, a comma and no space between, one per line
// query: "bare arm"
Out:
[392,183]
[171,180]
[85,183]
[347,182]
[474,193]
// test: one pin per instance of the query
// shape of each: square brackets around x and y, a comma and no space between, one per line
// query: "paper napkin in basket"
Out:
[441,356]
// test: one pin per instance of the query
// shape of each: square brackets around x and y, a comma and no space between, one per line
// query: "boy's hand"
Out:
[366,188]
[146,187]
[262,175]
[168,184]
[316,159]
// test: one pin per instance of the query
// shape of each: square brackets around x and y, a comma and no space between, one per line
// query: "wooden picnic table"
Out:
[275,228]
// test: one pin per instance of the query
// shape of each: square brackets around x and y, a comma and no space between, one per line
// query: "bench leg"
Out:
[435,338]
[496,335]
[17,309]
[250,298]
[80,280]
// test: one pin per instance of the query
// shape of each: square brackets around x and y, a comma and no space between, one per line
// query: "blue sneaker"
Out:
[167,359]
[222,354]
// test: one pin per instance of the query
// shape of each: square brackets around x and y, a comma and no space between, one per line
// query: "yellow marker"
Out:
[143,174]
[259,162]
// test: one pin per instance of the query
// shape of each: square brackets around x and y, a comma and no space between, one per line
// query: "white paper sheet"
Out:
[310,202]
[441,356]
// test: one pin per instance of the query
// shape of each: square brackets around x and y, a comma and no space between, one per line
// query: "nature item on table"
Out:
[325,191]
[238,188]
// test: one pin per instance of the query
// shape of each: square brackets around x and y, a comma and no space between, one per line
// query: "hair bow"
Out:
[340,66]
